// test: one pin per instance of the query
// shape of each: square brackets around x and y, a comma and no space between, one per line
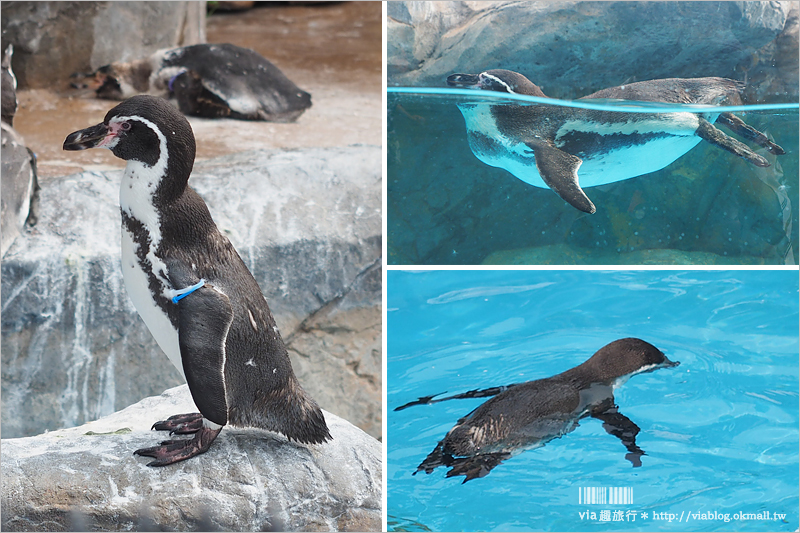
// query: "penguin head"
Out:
[499,80]
[145,129]
[624,358]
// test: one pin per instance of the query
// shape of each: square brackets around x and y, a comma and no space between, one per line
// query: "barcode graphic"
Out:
[605,495]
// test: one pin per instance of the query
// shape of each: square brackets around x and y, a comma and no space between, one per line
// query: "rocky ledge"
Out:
[306,222]
[86,478]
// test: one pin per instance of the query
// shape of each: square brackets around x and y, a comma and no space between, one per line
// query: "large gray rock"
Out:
[87,478]
[572,49]
[53,40]
[308,225]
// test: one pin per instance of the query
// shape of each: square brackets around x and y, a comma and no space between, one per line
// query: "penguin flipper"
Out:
[475,393]
[204,319]
[622,427]
[559,170]
[739,127]
[707,132]
[205,315]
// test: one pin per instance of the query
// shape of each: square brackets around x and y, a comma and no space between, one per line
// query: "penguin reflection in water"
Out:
[566,149]
[525,416]
[193,291]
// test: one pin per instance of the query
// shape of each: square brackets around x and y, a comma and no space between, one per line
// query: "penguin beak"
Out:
[88,138]
[469,81]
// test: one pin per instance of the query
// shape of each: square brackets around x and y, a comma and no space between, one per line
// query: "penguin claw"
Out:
[180,424]
[173,451]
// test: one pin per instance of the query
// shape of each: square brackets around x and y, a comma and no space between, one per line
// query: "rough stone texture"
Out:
[87,478]
[572,49]
[308,225]
[53,40]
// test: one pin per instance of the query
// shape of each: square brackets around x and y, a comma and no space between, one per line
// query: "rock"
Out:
[571,49]
[308,225]
[54,40]
[87,478]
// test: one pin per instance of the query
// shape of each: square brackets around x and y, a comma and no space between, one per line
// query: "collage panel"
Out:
[191,266]
[642,400]
[536,133]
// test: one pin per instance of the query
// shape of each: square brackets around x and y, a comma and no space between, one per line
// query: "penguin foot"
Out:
[180,424]
[173,451]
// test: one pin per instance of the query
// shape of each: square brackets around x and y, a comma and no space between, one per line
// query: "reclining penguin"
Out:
[566,149]
[207,80]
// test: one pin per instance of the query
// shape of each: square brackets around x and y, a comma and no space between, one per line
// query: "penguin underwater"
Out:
[206,80]
[566,149]
[525,416]
[194,293]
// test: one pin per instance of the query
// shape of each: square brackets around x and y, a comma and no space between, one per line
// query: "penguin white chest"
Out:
[140,263]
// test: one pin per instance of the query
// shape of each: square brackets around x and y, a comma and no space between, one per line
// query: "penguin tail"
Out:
[289,410]
[306,423]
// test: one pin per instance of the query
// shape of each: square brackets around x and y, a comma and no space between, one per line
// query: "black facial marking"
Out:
[138,143]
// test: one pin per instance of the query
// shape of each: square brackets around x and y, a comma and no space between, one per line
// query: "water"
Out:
[720,430]
[708,207]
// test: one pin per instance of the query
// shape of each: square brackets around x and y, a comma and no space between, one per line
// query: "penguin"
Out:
[193,291]
[567,149]
[8,87]
[525,416]
[207,80]
[19,193]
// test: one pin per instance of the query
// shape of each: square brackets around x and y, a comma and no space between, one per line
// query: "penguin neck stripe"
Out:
[178,295]
[501,82]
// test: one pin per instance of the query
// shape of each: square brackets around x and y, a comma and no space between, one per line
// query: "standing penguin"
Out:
[193,291]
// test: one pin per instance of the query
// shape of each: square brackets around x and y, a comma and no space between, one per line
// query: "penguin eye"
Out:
[125,126]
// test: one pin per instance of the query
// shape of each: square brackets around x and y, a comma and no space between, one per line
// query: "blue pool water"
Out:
[445,206]
[720,431]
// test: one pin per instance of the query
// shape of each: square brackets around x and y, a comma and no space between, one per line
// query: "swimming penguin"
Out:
[208,80]
[566,149]
[193,291]
[527,415]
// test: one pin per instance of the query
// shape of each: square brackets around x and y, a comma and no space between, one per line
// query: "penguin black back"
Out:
[528,415]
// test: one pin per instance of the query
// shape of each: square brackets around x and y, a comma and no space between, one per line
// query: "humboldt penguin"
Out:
[207,80]
[19,197]
[567,149]
[526,416]
[193,291]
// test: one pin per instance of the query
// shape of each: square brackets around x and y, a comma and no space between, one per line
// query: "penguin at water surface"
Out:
[567,149]
[528,415]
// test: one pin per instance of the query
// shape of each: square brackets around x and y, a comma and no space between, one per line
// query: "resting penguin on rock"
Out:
[208,80]
[525,416]
[193,291]
[566,149]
